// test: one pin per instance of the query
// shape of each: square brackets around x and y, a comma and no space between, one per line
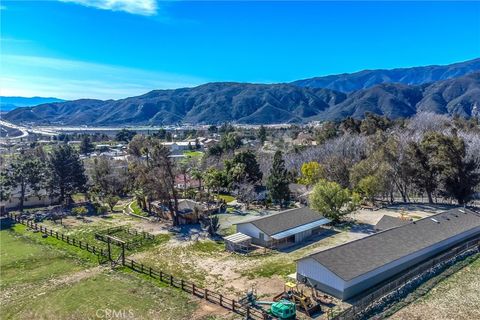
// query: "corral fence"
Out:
[60,236]
[131,231]
[357,310]
[187,286]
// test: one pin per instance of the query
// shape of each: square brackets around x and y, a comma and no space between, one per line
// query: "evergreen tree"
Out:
[26,172]
[86,146]
[125,135]
[67,173]
[251,170]
[277,182]
[262,135]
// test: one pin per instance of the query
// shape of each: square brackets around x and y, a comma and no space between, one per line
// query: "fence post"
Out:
[161,276]
[141,266]
[193,288]
[51,232]
[80,243]
[87,247]
[181,283]
[221,300]
[56,234]
[150,271]
[248,312]
[206,294]
[131,263]
[233,305]
[171,280]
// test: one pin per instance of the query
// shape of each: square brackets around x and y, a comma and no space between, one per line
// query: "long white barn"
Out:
[350,269]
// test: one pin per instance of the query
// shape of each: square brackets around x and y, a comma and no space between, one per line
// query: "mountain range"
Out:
[365,79]
[10,103]
[397,93]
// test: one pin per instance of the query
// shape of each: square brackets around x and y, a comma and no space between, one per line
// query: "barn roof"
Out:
[389,222]
[285,220]
[358,257]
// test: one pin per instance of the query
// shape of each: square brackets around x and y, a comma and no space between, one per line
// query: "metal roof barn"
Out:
[349,269]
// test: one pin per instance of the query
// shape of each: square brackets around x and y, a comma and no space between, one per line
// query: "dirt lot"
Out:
[455,298]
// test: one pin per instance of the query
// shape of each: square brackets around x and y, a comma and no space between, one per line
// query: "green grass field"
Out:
[48,279]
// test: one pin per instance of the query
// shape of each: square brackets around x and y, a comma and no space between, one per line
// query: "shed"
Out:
[238,242]
[283,228]
[350,269]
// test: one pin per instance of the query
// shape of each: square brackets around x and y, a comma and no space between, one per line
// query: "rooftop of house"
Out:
[353,259]
[285,220]
[389,222]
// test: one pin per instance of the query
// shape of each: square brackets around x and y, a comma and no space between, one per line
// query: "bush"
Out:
[102,210]
[79,211]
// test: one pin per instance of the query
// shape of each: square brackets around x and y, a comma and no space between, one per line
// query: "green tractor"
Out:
[283,309]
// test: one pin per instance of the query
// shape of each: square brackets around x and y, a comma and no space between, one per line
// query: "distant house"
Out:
[389,222]
[32,199]
[284,228]
[351,269]
[181,146]
[186,182]
[186,211]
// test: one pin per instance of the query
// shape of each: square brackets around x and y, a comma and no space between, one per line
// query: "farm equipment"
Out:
[282,309]
[305,303]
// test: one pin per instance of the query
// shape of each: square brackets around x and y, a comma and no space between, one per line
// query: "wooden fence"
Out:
[189,287]
[377,293]
[60,236]
[203,293]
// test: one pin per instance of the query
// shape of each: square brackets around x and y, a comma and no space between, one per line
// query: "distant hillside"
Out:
[209,103]
[260,104]
[10,103]
[365,79]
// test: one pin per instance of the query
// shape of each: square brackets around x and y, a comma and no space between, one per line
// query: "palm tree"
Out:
[197,175]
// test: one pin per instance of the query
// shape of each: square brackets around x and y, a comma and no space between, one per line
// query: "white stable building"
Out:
[350,269]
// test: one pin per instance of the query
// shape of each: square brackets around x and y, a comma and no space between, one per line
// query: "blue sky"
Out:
[118,48]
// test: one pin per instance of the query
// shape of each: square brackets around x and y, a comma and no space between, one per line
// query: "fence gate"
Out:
[109,240]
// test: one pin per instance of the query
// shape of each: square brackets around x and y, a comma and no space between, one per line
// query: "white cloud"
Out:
[141,7]
[73,79]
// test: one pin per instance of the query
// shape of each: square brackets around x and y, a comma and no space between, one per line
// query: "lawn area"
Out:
[93,296]
[226,197]
[23,260]
[137,210]
[46,279]
[193,154]
[456,298]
